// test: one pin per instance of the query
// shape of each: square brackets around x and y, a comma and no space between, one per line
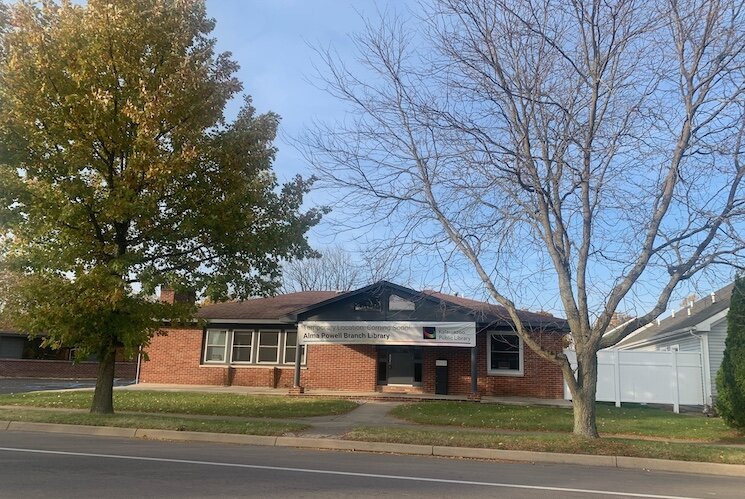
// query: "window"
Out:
[242,346]
[216,346]
[290,346]
[505,354]
[395,302]
[268,347]
[12,347]
[249,347]
[370,304]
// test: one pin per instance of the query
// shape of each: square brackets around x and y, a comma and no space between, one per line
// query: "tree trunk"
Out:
[583,399]
[584,414]
[103,396]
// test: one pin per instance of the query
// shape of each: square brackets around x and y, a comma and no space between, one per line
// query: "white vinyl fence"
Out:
[647,377]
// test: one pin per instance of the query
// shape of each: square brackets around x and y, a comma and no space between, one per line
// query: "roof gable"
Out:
[374,289]
[373,303]
[700,312]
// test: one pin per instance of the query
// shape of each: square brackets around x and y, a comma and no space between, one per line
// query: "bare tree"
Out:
[340,269]
[380,263]
[333,269]
[600,141]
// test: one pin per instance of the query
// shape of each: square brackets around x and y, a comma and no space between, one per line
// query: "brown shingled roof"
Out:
[283,307]
[490,310]
[271,308]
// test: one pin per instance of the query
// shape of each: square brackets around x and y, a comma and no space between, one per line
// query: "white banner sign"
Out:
[453,334]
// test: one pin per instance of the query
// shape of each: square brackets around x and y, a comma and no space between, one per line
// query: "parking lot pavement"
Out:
[20,385]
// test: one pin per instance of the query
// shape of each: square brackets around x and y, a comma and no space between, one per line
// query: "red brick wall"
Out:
[540,378]
[26,368]
[175,358]
[270,376]
[341,367]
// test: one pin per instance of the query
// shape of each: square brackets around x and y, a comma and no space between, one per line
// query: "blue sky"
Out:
[273,42]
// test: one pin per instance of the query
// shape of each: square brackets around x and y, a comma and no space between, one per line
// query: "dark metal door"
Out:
[401,367]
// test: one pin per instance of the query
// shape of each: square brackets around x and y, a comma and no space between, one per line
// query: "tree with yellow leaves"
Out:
[119,173]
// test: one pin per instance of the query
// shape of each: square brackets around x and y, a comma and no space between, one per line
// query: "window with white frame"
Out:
[290,346]
[268,350]
[251,347]
[242,346]
[216,345]
[505,354]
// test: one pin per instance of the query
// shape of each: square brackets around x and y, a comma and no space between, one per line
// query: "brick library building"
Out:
[380,338]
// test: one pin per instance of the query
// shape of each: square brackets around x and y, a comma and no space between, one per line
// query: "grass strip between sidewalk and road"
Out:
[569,444]
[211,404]
[628,420]
[153,422]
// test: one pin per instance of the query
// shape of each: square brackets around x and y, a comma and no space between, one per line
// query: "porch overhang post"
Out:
[474,395]
[296,388]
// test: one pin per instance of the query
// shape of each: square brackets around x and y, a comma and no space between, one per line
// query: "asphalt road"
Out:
[60,466]
[20,385]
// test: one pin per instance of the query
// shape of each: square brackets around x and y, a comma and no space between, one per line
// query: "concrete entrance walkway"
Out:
[369,412]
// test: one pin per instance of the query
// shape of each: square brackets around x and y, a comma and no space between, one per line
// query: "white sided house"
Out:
[700,327]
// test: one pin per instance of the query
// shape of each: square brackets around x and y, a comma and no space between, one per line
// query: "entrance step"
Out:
[402,389]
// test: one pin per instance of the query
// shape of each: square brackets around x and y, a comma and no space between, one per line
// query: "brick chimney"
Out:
[168,295]
[619,318]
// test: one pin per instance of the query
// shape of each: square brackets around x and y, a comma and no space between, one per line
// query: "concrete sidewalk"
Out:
[368,413]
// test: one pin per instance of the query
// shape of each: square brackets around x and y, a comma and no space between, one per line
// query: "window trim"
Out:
[505,372]
[284,349]
[255,345]
[207,345]
[258,347]
[232,346]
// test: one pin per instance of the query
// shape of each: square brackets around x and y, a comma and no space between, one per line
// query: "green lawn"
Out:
[213,404]
[153,422]
[628,420]
[550,443]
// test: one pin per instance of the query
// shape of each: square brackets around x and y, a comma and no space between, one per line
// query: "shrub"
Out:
[731,376]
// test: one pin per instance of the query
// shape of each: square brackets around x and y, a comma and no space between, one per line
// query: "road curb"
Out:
[418,450]
[522,455]
[647,463]
[72,429]
[315,443]
[624,462]
[197,436]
